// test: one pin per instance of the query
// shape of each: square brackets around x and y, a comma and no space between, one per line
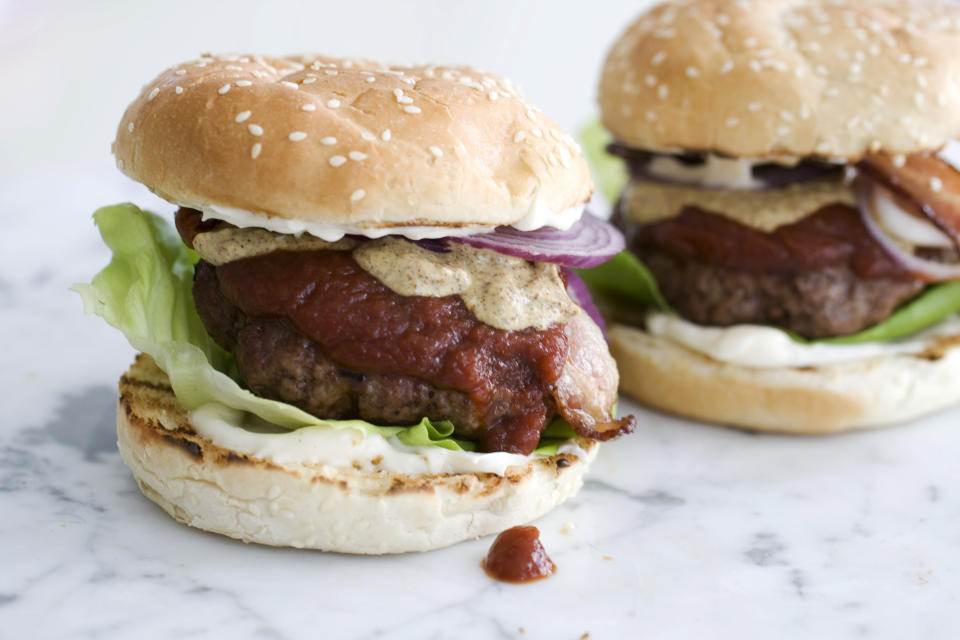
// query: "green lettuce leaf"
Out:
[609,172]
[624,278]
[145,292]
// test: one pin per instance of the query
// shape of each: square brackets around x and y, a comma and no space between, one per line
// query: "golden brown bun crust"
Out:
[756,78]
[802,401]
[216,489]
[340,141]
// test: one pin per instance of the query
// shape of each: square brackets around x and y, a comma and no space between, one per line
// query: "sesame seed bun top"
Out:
[353,142]
[759,78]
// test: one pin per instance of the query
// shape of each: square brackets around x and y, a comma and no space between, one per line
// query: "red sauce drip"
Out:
[833,236]
[518,556]
[363,325]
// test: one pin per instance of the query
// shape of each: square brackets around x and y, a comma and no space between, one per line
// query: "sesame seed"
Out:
[936,183]
[297,136]
[411,109]
[369,137]
[243,115]
[309,107]
[786,115]
[922,80]
[292,85]
[783,130]
[371,79]
[732,122]
[651,115]
[386,135]
[357,195]
[693,72]
[750,43]
[153,94]
[662,91]
[181,72]
[244,83]
[255,150]
[130,127]
[918,99]
[333,103]
[397,92]
[651,80]
[493,95]
[437,151]
[755,106]
[658,57]
[222,90]
[727,67]
[255,129]
[233,67]
[336,161]
[328,140]
[537,132]
[519,136]
[178,90]
[404,99]
[357,156]
[330,72]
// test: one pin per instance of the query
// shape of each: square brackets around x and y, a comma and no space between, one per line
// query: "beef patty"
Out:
[823,276]
[313,329]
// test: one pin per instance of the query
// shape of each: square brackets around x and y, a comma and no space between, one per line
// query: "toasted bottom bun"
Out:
[805,400]
[319,507]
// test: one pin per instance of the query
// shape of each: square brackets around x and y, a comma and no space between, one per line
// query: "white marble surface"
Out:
[682,530]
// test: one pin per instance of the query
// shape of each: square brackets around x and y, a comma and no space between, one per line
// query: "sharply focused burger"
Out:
[366,338]
[792,214]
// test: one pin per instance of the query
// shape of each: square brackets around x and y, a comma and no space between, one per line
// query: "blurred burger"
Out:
[791,213]
[366,340]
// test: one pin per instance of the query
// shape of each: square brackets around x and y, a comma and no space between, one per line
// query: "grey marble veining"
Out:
[681,531]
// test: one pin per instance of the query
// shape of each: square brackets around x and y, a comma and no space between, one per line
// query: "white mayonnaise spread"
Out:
[716,173]
[950,153]
[347,447]
[766,347]
[539,216]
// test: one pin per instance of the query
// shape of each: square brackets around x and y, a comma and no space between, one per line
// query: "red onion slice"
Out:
[588,243]
[927,269]
[579,293]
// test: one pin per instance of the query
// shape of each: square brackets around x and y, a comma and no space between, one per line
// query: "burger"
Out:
[363,335]
[791,210]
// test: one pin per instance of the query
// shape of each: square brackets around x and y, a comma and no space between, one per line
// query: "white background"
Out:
[68,69]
